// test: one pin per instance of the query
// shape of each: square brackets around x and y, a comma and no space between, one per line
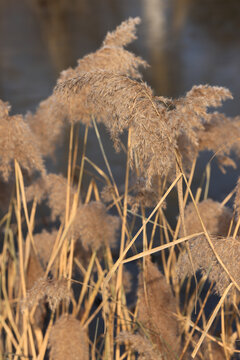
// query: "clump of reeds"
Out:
[65,269]
[158,125]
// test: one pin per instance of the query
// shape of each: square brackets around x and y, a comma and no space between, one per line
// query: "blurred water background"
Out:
[186,43]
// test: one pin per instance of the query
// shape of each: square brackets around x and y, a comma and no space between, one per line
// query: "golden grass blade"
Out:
[184,204]
[8,332]
[21,184]
[82,161]
[209,336]
[7,304]
[120,259]
[28,239]
[91,299]
[228,197]
[223,332]
[105,156]
[85,282]
[122,244]
[97,168]
[196,322]
[69,172]
[210,321]
[45,340]
[94,314]
[208,238]
[75,153]
[160,248]
[208,175]
[20,239]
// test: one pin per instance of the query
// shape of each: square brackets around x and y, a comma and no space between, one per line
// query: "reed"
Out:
[66,289]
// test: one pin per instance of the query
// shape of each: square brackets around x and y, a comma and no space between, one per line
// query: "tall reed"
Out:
[66,289]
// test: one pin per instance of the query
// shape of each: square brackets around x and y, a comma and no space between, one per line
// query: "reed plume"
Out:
[47,124]
[213,138]
[34,270]
[54,291]
[17,142]
[68,340]
[53,189]
[48,120]
[158,320]
[37,264]
[141,344]
[157,123]
[215,217]
[44,243]
[111,56]
[94,227]
[205,260]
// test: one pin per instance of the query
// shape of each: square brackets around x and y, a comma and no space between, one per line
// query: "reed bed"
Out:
[94,270]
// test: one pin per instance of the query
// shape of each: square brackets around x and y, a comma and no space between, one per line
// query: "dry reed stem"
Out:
[75,153]
[208,176]
[20,238]
[105,157]
[210,321]
[63,236]
[181,209]
[209,336]
[28,239]
[69,173]
[82,161]
[85,283]
[121,258]
[190,335]
[118,289]
[160,248]
[7,304]
[208,238]
[91,299]
[8,332]
[101,172]
[45,340]
[24,202]
[223,333]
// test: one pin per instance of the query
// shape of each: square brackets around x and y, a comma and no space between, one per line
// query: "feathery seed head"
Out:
[205,260]
[17,142]
[68,340]
[94,227]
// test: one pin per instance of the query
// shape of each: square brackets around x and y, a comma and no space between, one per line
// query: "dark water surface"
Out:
[185,42]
